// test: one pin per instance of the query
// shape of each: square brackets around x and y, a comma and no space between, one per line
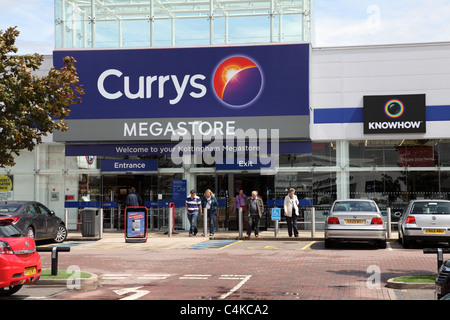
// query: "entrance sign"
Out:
[276,214]
[130,165]
[136,224]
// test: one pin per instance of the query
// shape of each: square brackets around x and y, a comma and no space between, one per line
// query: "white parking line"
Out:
[233,276]
[195,276]
[115,276]
[154,276]
[240,284]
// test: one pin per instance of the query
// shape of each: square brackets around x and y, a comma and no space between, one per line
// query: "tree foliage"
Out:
[31,106]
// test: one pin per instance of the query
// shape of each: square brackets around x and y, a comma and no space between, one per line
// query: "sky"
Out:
[335,22]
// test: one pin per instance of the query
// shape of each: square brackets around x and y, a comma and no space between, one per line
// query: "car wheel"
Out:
[30,232]
[405,243]
[328,243]
[381,244]
[61,235]
[4,292]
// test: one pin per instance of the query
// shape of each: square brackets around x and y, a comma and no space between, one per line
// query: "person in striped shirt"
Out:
[193,208]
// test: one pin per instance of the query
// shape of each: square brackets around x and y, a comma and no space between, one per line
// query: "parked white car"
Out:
[355,220]
[425,220]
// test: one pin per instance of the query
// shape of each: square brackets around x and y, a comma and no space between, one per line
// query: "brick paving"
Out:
[281,271]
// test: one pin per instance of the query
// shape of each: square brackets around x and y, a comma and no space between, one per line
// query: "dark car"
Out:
[34,219]
[443,280]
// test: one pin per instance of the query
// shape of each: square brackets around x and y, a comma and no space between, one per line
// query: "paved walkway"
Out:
[344,278]
[181,239]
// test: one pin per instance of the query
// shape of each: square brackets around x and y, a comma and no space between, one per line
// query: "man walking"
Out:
[193,208]
[133,199]
[255,208]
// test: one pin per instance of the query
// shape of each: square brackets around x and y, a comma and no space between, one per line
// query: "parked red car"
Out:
[19,261]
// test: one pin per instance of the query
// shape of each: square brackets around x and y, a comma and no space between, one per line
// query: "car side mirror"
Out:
[52,213]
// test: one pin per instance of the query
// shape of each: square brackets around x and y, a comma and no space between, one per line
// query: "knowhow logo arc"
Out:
[237,81]
[394,108]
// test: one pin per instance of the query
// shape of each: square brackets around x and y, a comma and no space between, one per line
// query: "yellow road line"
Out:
[308,245]
[229,245]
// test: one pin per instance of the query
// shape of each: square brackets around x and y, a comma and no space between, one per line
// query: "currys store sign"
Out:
[149,94]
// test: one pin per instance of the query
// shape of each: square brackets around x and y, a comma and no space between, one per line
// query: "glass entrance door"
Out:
[115,191]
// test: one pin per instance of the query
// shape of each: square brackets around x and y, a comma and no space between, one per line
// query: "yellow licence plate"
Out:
[30,271]
[441,231]
[355,221]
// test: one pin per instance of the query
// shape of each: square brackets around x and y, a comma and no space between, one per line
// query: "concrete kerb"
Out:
[391,283]
[304,235]
[83,282]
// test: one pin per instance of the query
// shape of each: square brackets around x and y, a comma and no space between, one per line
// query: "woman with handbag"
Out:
[210,203]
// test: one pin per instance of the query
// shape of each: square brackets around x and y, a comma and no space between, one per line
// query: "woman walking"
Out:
[291,212]
[210,203]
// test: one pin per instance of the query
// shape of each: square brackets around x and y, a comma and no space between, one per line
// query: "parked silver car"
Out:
[425,220]
[355,220]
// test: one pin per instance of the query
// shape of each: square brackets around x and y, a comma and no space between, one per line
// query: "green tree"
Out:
[31,106]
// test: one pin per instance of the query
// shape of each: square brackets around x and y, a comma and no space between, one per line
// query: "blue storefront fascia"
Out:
[166,203]
[142,149]
[355,115]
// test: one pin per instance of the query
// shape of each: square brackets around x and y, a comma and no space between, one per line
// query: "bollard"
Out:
[54,256]
[66,218]
[240,222]
[101,223]
[171,218]
[440,254]
[389,223]
[54,261]
[313,222]
[205,222]
[277,228]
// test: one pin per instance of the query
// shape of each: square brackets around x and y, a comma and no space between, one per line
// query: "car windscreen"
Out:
[361,206]
[6,208]
[431,207]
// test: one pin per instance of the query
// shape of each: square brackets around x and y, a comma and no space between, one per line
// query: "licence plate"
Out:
[30,271]
[355,221]
[441,231]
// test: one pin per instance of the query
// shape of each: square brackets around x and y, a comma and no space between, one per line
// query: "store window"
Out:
[323,154]
[393,153]
[443,147]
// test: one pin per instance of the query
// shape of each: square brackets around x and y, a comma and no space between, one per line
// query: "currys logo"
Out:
[237,81]
[394,108]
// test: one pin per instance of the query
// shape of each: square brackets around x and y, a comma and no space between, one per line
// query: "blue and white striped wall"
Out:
[341,77]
